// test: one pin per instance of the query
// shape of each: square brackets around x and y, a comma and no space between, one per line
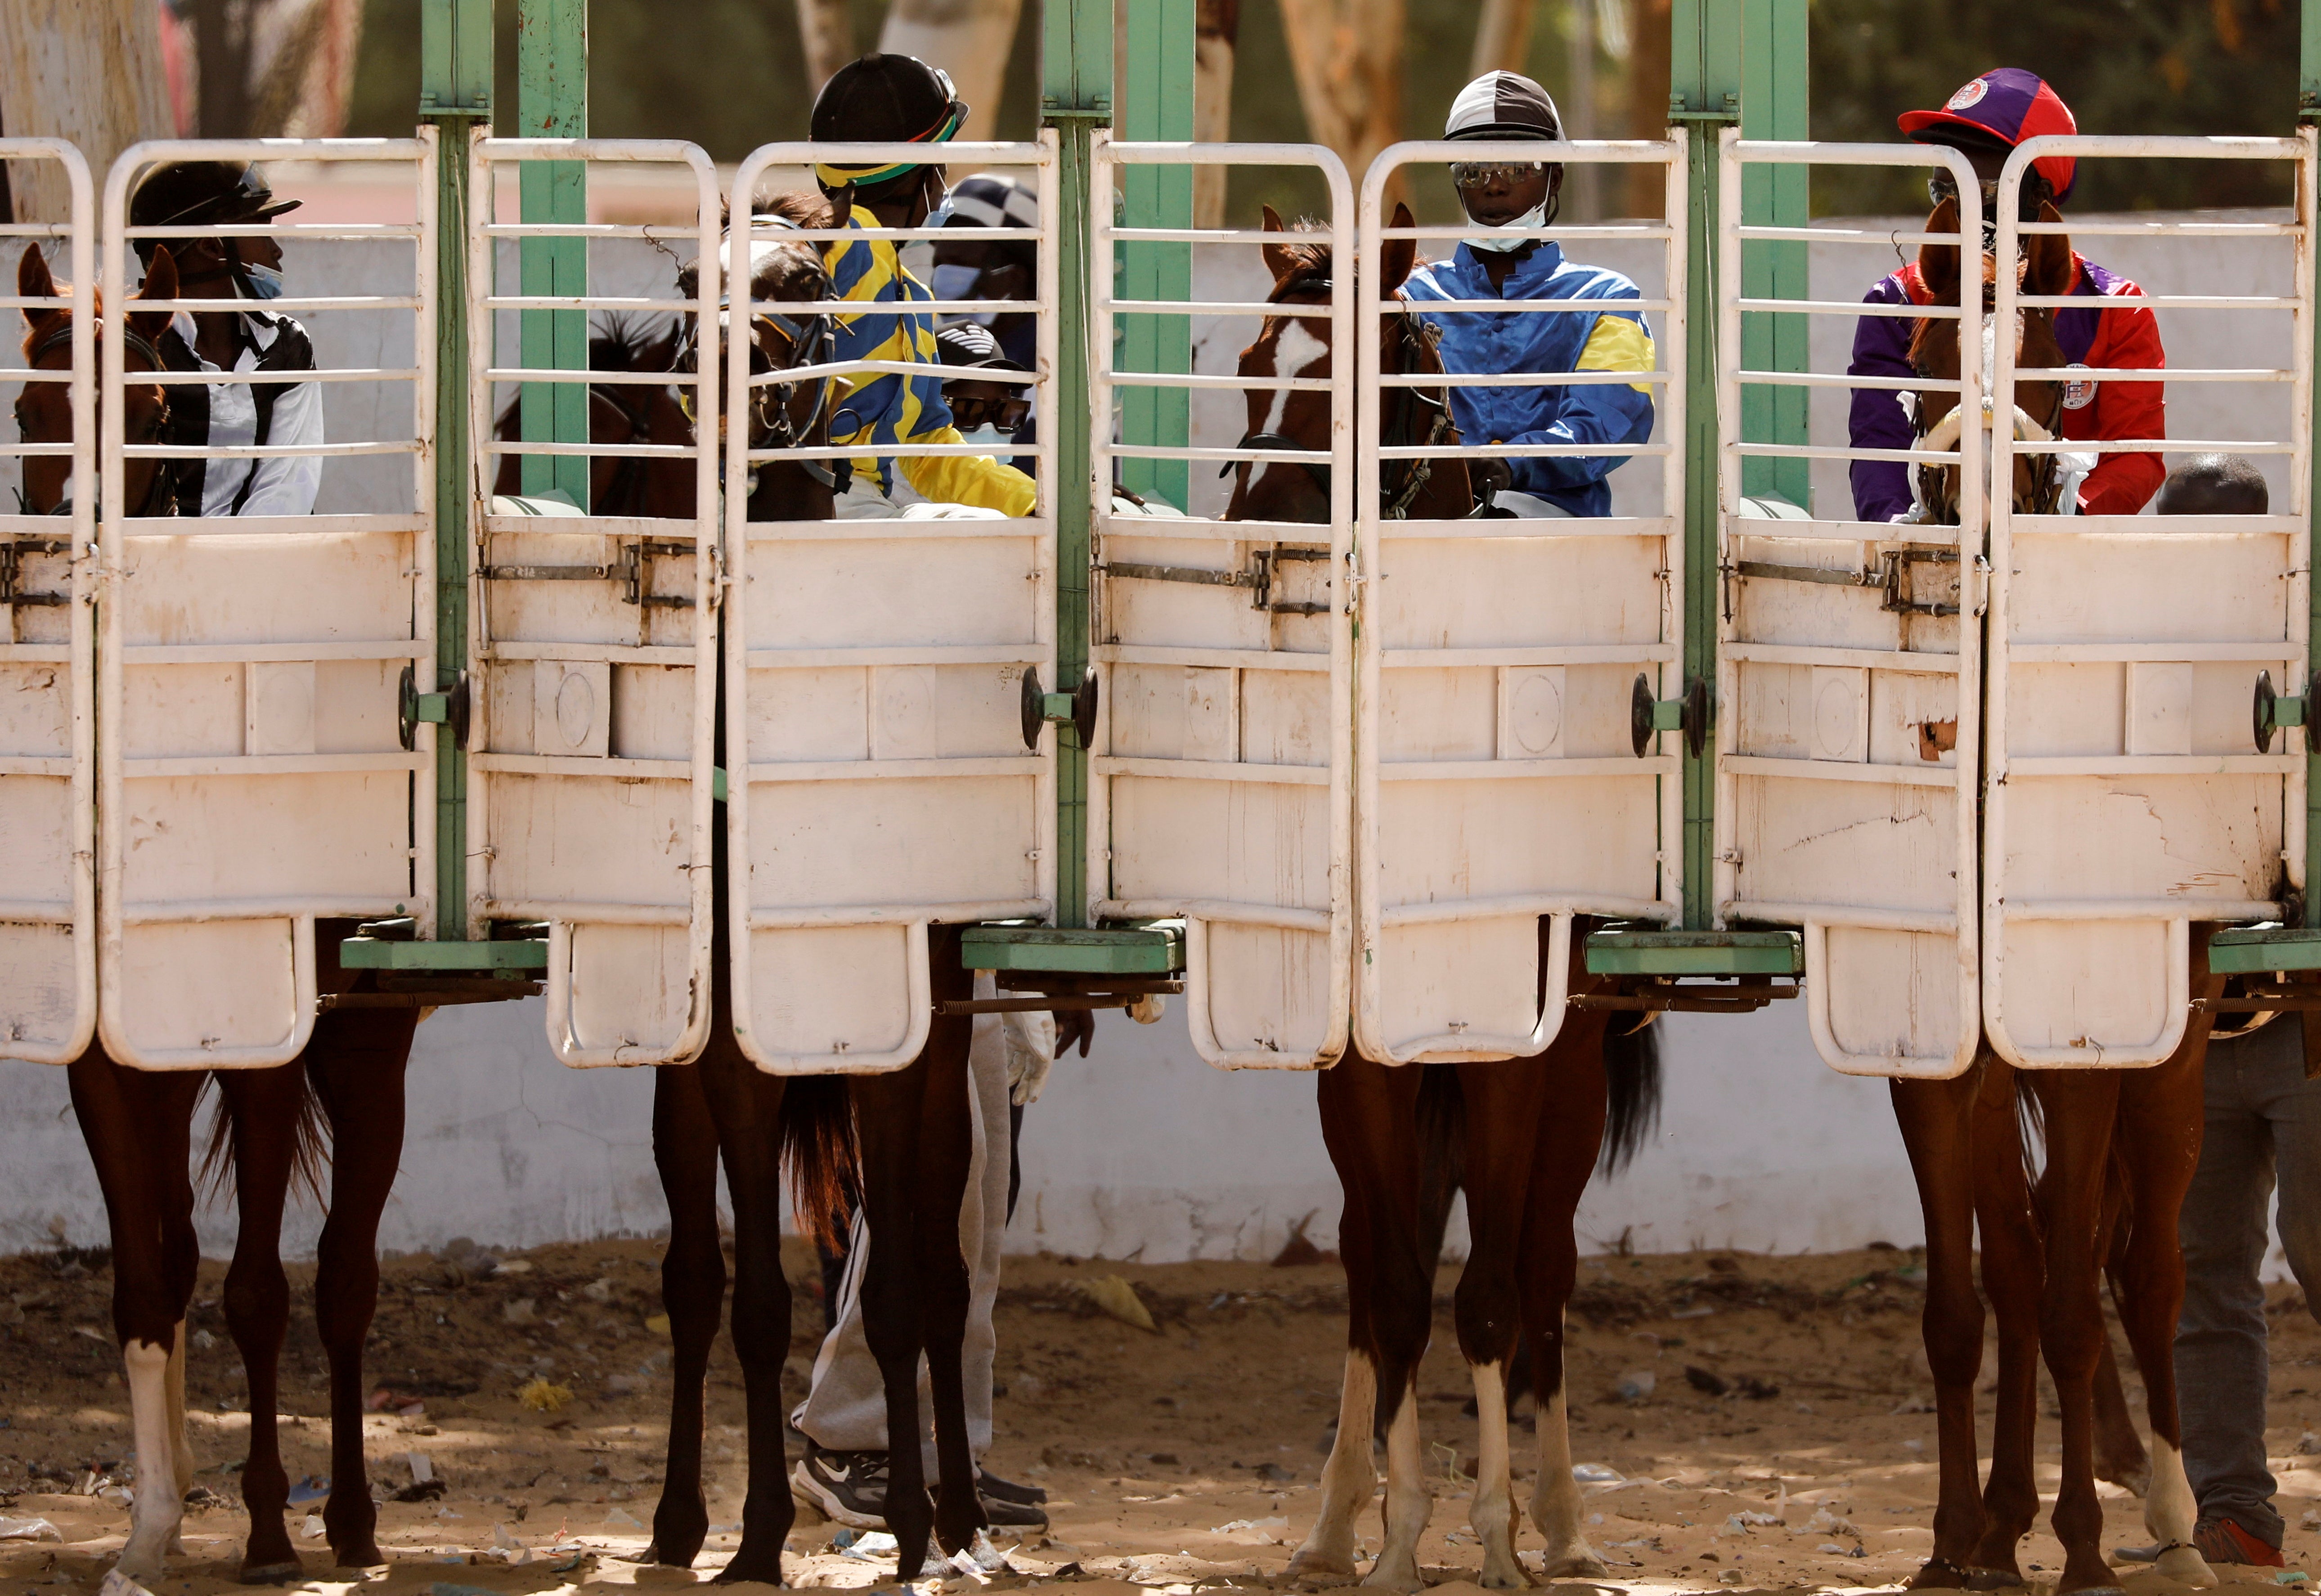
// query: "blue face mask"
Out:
[986,434]
[942,214]
[959,281]
[265,281]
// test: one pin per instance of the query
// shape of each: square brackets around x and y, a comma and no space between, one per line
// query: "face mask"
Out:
[959,281]
[942,214]
[265,281]
[1507,238]
[986,433]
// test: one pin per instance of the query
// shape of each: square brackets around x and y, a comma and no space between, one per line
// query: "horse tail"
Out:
[1632,1080]
[2030,1132]
[310,1146]
[822,1155]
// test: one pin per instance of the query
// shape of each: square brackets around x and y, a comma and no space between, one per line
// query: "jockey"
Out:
[1502,106]
[899,99]
[247,269]
[1984,121]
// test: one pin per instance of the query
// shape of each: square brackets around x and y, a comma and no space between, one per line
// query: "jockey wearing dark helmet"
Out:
[1984,121]
[897,99]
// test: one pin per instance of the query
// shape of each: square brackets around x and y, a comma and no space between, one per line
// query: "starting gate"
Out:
[1501,778]
[2125,799]
[253,773]
[1847,683]
[47,727]
[1221,781]
[593,637]
[887,772]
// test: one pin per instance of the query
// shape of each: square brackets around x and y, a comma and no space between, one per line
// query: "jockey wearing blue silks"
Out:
[1502,106]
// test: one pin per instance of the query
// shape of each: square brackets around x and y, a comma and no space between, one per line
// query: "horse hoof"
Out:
[365,1556]
[2185,1565]
[1403,1578]
[1981,1578]
[1311,1560]
[751,1567]
[1940,1574]
[1576,1565]
[653,1555]
[270,1574]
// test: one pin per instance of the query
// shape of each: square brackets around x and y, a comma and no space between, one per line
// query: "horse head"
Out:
[2047,269]
[44,410]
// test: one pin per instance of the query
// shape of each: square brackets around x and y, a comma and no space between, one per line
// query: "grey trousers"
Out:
[2263,1128]
[846,1409]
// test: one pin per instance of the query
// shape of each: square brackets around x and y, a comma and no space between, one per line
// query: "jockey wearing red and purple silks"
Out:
[1985,120]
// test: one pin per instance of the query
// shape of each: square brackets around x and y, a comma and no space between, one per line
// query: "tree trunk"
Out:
[322,80]
[1648,101]
[827,34]
[970,38]
[1348,58]
[85,70]
[1502,37]
[1216,33]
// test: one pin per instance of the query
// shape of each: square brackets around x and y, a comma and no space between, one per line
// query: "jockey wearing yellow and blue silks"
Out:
[897,98]
[1502,106]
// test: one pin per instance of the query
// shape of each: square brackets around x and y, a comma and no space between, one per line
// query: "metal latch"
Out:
[12,554]
[1886,577]
[1259,578]
[1648,715]
[414,708]
[2273,712]
[1076,710]
[631,568]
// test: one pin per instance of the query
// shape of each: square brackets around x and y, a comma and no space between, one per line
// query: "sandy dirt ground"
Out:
[1183,1457]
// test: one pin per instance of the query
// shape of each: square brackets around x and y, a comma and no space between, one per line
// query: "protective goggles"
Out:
[1483,173]
[2031,195]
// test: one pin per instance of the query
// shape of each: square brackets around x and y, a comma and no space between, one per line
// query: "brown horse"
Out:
[2121,1146]
[625,413]
[266,1136]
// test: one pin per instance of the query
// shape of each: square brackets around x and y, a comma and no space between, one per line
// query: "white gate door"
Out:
[252,774]
[48,687]
[1500,782]
[1847,686]
[879,780]
[1221,785]
[2126,795]
[593,633]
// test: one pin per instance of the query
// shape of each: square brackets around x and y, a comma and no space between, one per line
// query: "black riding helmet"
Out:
[883,98]
[196,193]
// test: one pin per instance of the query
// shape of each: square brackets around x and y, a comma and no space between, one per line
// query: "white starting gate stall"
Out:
[1221,779]
[885,771]
[593,632]
[1503,778]
[255,774]
[48,688]
[2125,799]
[1847,683]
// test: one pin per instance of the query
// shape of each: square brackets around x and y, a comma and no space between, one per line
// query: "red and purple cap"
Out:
[2009,104]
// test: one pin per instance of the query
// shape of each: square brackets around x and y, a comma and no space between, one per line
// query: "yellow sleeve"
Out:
[1618,344]
[969,479]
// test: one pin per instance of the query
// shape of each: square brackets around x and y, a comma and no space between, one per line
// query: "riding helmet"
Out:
[1503,105]
[1997,112]
[886,99]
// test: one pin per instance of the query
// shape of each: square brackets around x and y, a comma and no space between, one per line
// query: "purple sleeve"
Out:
[1881,348]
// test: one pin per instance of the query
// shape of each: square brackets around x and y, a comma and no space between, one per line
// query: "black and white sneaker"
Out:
[850,1487]
[994,1488]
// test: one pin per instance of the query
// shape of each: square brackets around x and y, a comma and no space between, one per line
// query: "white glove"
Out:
[2071,470]
[1031,1053]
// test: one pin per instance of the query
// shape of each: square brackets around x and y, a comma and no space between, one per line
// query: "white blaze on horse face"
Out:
[2169,1512]
[1492,1513]
[1295,352]
[1348,1479]
[157,1510]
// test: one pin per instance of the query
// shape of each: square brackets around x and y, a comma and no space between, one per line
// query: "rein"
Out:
[164,485]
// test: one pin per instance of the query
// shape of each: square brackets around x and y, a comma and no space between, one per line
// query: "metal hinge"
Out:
[1259,578]
[11,556]
[632,568]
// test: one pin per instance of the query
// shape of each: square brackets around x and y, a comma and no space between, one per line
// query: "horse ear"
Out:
[1399,255]
[34,282]
[2050,268]
[161,283]
[1279,261]
[1938,264]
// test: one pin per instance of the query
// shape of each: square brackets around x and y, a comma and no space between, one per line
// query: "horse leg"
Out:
[1366,1108]
[1936,1119]
[2157,1155]
[138,1126]
[2013,1264]
[1402,1316]
[356,1064]
[692,1291]
[746,1105]
[887,1121]
[260,1112]
[2120,1457]
[2081,1106]
[948,1142]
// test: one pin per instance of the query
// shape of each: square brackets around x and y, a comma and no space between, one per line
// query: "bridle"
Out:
[1311,280]
[771,424]
[164,485]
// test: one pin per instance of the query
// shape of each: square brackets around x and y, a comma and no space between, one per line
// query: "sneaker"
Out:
[994,1488]
[2219,1540]
[1003,1514]
[850,1487]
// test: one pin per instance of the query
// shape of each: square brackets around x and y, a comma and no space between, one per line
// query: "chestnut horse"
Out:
[2121,1146]
[268,1133]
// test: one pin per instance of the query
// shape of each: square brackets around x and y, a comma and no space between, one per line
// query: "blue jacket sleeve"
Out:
[1614,413]
[1881,348]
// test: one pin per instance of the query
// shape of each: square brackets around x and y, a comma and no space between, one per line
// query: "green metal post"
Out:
[2308,111]
[455,93]
[1076,99]
[1156,103]
[1773,107]
[552,102]
[1704,96]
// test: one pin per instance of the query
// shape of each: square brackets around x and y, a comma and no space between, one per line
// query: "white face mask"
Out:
[986,434]
[1501,242]
[959,281]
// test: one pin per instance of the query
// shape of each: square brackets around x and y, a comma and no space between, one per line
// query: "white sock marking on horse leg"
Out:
[1555,1499]
[1408,1500]
[181,1451]
[1348,1480]
[156,1511]
[2169,1512]
[1492,1513]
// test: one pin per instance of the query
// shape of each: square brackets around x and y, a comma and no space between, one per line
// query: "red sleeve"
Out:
[2123,484]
